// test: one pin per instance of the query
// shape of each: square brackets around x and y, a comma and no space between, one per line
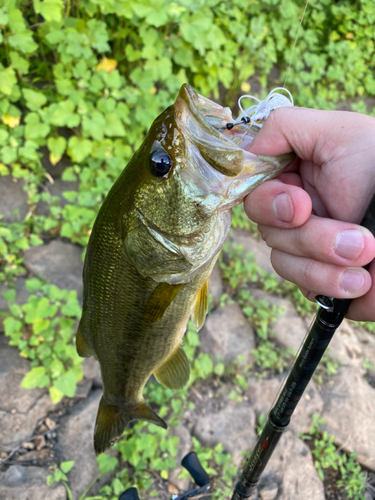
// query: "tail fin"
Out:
[112,420]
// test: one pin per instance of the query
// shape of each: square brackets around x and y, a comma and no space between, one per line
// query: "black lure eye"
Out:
[160,163]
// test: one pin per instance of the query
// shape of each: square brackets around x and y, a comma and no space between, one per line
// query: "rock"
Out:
[216,285]
[40,442]
[349,415]
[83,389]
[262,394]
[290,329]
[91,370]
[184,446]
[234,426]
[75,442]
[20,409]
[59,262]
[21,298]
[34,456]
[291,468]
[351,347]
[28,483]
[269,490]
[12,196]
[258,248]
[56,189]
[227,334]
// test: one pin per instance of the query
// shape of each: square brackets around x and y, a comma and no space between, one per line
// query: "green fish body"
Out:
[151,252]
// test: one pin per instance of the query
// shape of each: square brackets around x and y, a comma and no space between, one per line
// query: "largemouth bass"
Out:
[152,249]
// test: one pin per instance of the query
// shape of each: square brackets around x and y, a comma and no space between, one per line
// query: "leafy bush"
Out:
[43,330]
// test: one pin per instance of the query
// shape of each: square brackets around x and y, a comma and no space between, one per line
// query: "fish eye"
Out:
[160,163]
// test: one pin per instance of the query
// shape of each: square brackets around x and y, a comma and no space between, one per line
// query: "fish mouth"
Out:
[222,163]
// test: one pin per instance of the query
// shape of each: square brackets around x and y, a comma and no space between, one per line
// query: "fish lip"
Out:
[192,98]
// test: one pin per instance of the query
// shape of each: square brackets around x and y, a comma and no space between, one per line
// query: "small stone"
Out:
[349,414]
[291,468]
[184,447]
[14,476]
[216,285]
[269,491]
[234,426]
[91,370]
[40,442]
[3,454]
[51,424]
[172,489]
[13,411]
[83,389]
[75,442]
[43,428]
[228,334]
[12,197]
[28,483]
[59,262]
[34,455]
[28,445]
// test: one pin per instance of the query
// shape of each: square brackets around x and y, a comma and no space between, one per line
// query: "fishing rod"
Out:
[330,315]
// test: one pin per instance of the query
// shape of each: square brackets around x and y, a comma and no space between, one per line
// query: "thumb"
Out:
[307,132]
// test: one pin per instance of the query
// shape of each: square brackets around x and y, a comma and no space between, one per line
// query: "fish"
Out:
[152,248]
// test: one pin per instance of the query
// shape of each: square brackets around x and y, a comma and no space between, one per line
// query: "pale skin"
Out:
[309,215]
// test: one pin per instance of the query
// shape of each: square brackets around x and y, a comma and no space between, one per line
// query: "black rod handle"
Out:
[194,467]
[129,494]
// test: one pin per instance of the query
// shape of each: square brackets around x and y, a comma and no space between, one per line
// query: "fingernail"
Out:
[283,207]
[349,244]
[352,280]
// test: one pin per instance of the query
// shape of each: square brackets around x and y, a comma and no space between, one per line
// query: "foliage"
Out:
[14,239]
[326,456]
[59,474]
[43,330]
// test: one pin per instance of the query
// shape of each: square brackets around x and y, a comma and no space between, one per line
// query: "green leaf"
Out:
[56,145]
[55,394]
[79,149]
[7,81]
[39,325]
[106,463]
[33,284]
[67,384]
[51,10]
[16,21]
[36,377]
[35,240]
[34,100]
[23,42]
[67,466]
[19,63]
[12,326]
[10,295]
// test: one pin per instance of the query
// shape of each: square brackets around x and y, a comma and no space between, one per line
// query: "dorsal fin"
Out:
[200,307]
[159,300]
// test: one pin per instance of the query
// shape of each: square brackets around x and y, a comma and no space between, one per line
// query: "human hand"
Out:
[308,215]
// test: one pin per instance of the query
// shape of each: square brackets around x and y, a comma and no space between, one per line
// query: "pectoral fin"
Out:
[200,307]
[159,300]
[175,372]
[83,349]
[112,420]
